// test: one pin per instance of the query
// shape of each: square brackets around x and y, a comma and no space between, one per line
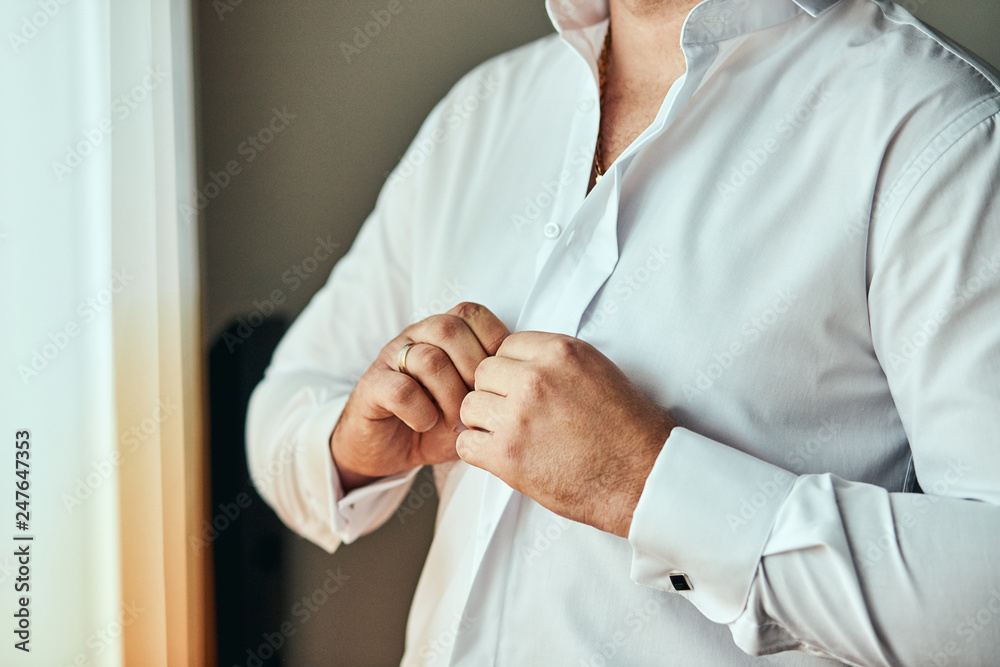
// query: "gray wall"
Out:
[319,178]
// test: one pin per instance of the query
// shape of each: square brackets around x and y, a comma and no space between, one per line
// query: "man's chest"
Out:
[721,263]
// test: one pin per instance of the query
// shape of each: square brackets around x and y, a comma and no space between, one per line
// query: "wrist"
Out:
[641,468]
[350,478]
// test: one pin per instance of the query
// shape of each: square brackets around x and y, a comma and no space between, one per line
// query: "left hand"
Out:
[556,420]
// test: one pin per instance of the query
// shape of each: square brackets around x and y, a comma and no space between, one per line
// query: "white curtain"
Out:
[100,355]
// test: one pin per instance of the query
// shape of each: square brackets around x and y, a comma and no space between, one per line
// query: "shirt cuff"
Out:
[704,517]
[319,488]
[367,507]
[342,518]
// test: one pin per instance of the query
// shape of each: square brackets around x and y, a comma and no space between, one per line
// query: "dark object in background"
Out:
[246,535]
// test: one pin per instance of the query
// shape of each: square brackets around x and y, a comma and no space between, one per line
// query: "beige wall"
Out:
[319,178]
[353,120]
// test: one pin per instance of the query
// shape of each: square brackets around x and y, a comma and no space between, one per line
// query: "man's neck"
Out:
[645,60]
[646,41]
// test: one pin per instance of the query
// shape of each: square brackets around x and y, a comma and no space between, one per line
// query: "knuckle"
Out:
[509,451]
[468,310]
[567,348]
[403,391]
[534,385]
[446,327]
[521,421]
[432,359]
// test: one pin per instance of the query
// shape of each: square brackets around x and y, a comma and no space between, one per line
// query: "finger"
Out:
[402,396]
[528,345]
[453,335]
[483,411]
[473,447]
[497,375]
[432,367]
[486,326]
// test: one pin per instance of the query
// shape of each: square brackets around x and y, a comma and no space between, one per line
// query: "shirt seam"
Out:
[919,26]
[902,202]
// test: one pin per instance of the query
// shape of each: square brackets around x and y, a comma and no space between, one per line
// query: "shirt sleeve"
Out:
[365,303]
[847,570]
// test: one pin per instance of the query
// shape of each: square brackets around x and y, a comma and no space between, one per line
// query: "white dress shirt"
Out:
[799,259]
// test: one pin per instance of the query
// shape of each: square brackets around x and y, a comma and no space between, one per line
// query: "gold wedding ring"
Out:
[401,358]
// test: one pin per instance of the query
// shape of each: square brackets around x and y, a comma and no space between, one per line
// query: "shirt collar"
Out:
[571,15]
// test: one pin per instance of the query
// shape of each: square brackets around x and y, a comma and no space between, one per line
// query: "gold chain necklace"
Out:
[602,80]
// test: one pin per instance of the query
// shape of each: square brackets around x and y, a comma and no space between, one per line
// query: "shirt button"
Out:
[552,230]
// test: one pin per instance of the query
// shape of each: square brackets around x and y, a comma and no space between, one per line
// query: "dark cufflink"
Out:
[680,581]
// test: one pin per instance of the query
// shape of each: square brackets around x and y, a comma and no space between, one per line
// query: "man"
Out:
[751,327]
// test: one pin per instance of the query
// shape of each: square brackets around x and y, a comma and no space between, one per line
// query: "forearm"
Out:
[290,419]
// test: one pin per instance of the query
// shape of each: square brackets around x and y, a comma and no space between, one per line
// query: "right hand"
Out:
[393,421]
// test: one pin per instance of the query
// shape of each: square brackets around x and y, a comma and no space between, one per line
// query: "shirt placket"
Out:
[574,263]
